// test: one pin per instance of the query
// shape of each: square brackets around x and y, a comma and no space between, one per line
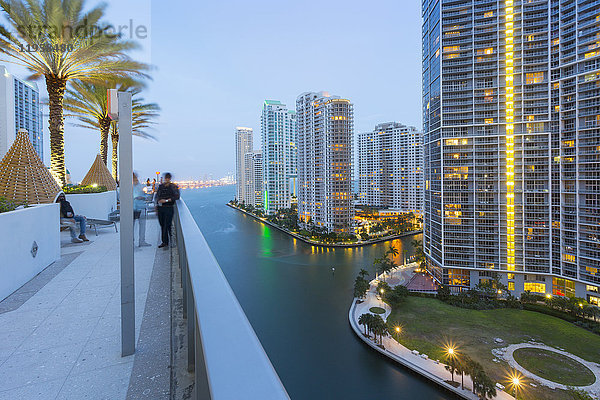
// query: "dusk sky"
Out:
[216,62]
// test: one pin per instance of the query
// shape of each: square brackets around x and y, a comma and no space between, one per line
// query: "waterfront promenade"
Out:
[431,369]
[60,333]
[315,243]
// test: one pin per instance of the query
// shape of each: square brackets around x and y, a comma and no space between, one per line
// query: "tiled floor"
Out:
[64,341]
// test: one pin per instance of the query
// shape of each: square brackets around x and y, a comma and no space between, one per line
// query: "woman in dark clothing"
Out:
[166,195]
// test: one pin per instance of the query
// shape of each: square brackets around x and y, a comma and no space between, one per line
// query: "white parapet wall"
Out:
[94,205]
[29,242]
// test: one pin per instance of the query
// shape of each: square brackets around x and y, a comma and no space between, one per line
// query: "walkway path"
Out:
[60,339]
[419,363]
[595,368]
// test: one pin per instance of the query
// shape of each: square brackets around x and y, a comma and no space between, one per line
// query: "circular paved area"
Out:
[508,356]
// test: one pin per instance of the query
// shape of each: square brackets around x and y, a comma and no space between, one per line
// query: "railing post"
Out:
[191,323]
[183,264]
[201,385]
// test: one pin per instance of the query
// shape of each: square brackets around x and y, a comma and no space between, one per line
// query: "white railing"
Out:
[227,358]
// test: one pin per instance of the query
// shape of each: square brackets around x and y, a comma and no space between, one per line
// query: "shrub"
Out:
[528,297]
[7,205]
[80,189]
[549,311]
[443,292]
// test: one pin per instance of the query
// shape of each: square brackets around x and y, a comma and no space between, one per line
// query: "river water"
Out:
[299,307]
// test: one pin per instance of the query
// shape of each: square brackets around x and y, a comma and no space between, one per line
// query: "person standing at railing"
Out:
[139,209]
[166,195]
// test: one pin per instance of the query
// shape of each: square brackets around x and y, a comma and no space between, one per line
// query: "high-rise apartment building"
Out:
[325,139]
[280,155]
[511,94]
[390,167]
[20,108]
[243,145]
[254,178]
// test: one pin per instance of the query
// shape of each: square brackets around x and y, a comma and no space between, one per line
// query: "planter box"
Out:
[94,205]
[29,242]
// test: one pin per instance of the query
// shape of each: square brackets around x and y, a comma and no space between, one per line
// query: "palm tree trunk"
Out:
[104,131]
[115,155]
[56,124]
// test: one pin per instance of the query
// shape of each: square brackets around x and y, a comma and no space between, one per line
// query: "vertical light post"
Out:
[516,383]
[398,329]
[119,108]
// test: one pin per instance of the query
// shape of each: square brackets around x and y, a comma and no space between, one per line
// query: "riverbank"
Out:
[321,244]
[412,359]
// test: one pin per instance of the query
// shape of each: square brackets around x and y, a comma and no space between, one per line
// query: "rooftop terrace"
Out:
[60,334]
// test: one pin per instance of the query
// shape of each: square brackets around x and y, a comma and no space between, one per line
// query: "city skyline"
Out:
[205,125]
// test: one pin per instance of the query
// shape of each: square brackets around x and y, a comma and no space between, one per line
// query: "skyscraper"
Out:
[254,178]
[512,126]
[243,145]
[20,108]
[390,167]
[325,139]
[280,154]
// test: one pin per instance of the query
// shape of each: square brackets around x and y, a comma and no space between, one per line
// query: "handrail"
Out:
[223,350]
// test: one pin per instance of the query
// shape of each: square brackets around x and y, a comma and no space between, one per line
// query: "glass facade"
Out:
[279,135]
[511,94]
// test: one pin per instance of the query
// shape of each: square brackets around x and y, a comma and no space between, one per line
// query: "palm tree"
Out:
[87,102]
[362,320]
[463,367]
[143,115]
[57,40]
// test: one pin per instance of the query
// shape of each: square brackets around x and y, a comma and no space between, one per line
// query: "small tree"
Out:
[463,366]
[379,327]
[363,319]
[443,293]
[397,295]
[485,387]
[451,365]
[528,297]
[361,286]
[386,290]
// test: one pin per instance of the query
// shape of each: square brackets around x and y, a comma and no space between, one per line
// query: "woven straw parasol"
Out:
[23,176]
[99,175]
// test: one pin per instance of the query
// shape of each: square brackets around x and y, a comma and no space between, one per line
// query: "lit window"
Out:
[511,286]
[534,77]
[535,287]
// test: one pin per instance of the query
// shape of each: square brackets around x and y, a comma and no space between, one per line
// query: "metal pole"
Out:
[126,216]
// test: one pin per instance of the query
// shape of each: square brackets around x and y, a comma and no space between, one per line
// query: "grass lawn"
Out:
[428,324]
[555,367]
[377,310]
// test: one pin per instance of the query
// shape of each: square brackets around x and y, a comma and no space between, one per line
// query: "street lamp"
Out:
[516,384]
[516,380]
[381,291]
[398,330]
